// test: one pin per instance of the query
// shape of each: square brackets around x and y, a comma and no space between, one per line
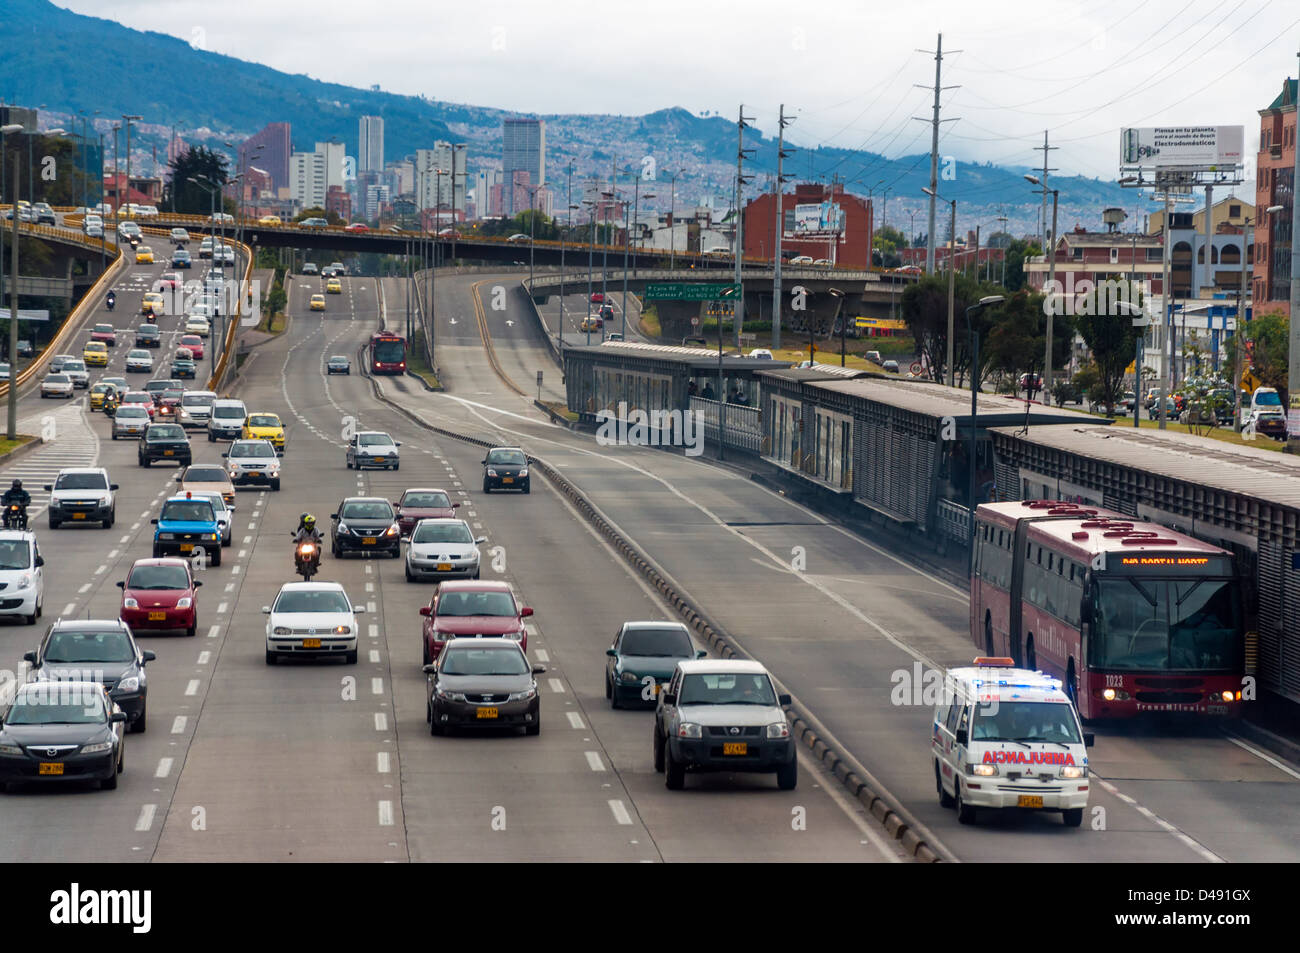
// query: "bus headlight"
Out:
[1115,695]
[1229,696]
[1073,772]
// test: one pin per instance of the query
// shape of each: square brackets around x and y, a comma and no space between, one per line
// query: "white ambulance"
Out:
[1007,737]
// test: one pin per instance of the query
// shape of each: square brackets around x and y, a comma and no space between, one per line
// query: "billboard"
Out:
[1181,147]
[818,218]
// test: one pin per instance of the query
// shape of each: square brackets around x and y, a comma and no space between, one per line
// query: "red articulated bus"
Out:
[387,353]
[1132,617]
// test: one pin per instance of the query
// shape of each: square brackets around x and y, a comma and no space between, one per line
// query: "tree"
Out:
[1017,251]
[1267,344]
[317,212]
[1015,342]
[1204,398]
[192,197]
[1110,337]
[925,310]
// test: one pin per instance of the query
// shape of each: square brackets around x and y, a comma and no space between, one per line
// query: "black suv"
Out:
[148,335]
[365,524]
[101,650]
[505,468]
[164,442]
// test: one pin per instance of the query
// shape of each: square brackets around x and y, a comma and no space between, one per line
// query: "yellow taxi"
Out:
[144,255]
[153,303]
[334,286]
[270,220]
[99,392]
[95,354]
[265,427]
[318,302]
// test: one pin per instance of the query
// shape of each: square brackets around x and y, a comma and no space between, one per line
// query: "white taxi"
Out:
[1004,737]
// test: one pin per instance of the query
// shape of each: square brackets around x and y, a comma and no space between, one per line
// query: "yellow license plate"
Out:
[1029,800]
[168,453]
[735,747]
[311,643]
[377,460]
[157,616]
[187,547]
[367,541]
[78,516]
[654,689]
[507,479]
[444,567]
[488,713]
[50,767]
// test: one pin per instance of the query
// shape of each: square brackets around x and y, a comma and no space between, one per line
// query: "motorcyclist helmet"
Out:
[18,485]
[309,522]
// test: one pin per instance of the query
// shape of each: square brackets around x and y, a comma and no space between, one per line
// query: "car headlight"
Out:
[778,729]
[517,636]
[184,602]
[630,677]
[25,581]
[11,750]
[281,630]
[129,603]
[524,695]
[166,535]
[210,536]
[55,504]
[1073,772]
[491,472]
[688,730]
[131,684]
[342,630]
[450,696]
[523,471]
[393,530]
[99,748]
[983,770]
[343,529]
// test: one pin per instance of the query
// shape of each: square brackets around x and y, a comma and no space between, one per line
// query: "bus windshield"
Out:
[389,352]
[1150,624]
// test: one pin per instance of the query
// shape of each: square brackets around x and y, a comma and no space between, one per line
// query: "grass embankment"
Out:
[559,407]
[6,445]
[650,323]
[275,324]
[416,362]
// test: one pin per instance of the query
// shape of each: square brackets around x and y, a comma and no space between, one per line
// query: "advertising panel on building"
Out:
[822,218]
[1191,147]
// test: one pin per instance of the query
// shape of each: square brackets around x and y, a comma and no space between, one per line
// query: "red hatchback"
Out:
[159,594]
[141,397]
[469,608]
[194,343]
[423,504]
[597,297]
[105,333]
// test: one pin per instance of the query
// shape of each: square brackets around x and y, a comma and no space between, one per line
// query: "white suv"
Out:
[255,462]
[311,619]
[196,408]
[82,495]
[20,575]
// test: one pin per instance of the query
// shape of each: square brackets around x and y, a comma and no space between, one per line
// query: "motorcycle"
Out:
[15,516]
[306,558]
[111,300]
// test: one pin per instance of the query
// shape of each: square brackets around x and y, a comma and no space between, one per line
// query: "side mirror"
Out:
[179,478]
[455,506]
[670,698]
[429,669]
[112,486]
[40,561]
[334,516]
[700,653]
[480,539]
[961,736]
[358,609]
[153,522]
[121,585]
[48,487]
[426,610]
[783,700]
[225,456]
[525,612]
[279,453]
[29,657]
[485,461]
[611,652]
[117,716]
[539,669]
[197,583]
[266,610]
[148,656]
[1088,739]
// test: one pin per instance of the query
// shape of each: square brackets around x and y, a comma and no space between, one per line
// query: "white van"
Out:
[1004,737]
[21,575]
[1265,415]
[226,420]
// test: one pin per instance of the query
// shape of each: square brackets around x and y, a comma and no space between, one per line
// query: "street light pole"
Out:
[972,497]
[13,318]
[839,306]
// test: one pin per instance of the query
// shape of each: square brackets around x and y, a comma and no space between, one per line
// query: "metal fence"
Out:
[954,520]
[743,425]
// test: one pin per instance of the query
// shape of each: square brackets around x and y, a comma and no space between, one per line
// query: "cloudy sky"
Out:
[848,69]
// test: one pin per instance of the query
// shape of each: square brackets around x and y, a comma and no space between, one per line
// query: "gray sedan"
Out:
[482,683]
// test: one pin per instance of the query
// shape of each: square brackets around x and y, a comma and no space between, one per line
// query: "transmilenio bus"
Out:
[1132,617]
[387,353]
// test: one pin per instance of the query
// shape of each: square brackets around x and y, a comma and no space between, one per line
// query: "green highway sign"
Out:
[686,290]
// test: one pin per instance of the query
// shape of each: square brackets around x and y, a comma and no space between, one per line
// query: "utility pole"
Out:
[13,319]
[1209,247]
[977,253]
[1045,148]
[738,318]
[1293,357]
[1051,316]
[952,280]
[1002,220]
[781,154]
[1166,313]
[934,121]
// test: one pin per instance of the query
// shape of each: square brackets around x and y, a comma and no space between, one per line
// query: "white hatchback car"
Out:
[21,576]
[56,385]
[442,549]
[139,359]
[311,619]
[254,462]
[373,448]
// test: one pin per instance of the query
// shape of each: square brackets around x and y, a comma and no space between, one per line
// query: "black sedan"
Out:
[338,364]
[505,468]
[167,442]
[61,731]
[482,683]
[76,648]
[365,524]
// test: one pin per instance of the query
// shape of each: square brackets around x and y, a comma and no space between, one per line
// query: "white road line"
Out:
[204,658]
[236,570]
[193,687]
[230,587]
[376,686]
[381,721]
[530,629]
[1271,760]
[125,539]
[1201,849]
[178,724]
[135,525]
[385,813]
[164,768]
[84,589]
[370,587]
[70,608]
[144,515]
[575,720]
[374,656]
[243,554]
[252,524]
[372,630]
[369,569]
[384,767]
[214,631]
[620,812]
[370,607]
[145,820]
[593,761]
[248,539]
[223,608]
[542,655]
[556,685]
[478,525]
[100,570]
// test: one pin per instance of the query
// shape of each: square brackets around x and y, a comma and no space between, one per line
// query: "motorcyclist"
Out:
[111,401]
[16,495]
[306,530]
[111,300]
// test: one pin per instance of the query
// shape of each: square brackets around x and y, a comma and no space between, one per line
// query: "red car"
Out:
[170,280]
[141,397]
[194,343]
[423,504]
[597,297]
[159,594]
[105,333]
[449,233]
[471,607]
[169,403]
[357,227]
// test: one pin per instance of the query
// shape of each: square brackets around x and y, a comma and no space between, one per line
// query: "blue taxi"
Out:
[186,525]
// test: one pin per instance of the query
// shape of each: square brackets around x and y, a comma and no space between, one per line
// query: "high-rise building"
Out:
[307,182]
[446,191]
[333,154]
[524,150]
[274,157]
[370,147]
[400,177]
[339,202]
[1274,185]
[375,196]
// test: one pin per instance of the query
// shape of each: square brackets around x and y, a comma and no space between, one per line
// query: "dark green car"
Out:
[642,660]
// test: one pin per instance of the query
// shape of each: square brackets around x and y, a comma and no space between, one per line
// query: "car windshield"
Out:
[512,457]
[15,554]
[477,603]
[379,510]
[140,354]
[311,600]
[263,420]
[55,704]
[426,500]
[1268,399]
[103,329]
[158,577]
[668,643]
[187,511]
[374,440]
[442,533]
[1025,722]
[167,432]
[196,400]
[171,394]
[205,475]
[1174,624]
[726,688]
[112,645]
[131,413]
[467,660]
[252,450]
[81,481]
[227,411]
[58,378]
[338,359]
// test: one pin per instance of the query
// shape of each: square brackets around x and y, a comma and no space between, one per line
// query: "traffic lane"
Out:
[521,347]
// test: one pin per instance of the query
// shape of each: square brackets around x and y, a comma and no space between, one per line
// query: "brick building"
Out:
[1275,185]
[339,202]
[813,227]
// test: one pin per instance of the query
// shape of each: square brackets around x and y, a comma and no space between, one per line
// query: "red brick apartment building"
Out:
[1275,185]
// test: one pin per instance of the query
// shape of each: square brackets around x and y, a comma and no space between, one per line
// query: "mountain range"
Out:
[70,63]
